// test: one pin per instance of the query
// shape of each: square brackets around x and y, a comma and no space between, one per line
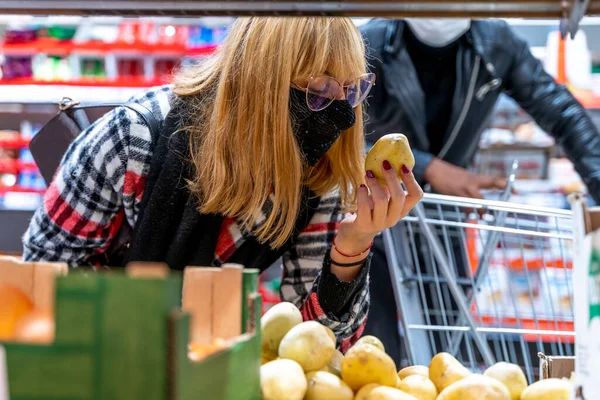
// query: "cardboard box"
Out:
[35,279]
[556,366]
[586,293]
[123,336]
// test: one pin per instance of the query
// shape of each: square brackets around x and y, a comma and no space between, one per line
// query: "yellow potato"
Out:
[388,393]
[325,386]
[444,370]
[365,391]
[364,364]
[414,370]
[393,148]
[419,387]
[275,324]
[335,363]
[266,359]
[475,387]
[398,382]
[282,380]
[548,389]
[511,376]
[331,334]
[371,340]
[308,344]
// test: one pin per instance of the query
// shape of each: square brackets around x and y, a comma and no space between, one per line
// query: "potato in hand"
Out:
[393,148]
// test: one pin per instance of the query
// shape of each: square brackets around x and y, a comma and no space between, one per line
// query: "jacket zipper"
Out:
[465,109]
[488,87]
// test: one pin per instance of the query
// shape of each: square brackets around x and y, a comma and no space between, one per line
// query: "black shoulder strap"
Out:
[146,115]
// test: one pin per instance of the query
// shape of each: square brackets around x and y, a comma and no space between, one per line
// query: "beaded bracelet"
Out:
[351,255]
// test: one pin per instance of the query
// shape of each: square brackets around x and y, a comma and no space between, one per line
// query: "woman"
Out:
[259,150]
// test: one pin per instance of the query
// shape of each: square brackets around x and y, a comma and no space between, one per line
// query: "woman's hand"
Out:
[378,210]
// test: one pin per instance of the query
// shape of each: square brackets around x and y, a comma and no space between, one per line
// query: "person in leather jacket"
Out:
[437,82]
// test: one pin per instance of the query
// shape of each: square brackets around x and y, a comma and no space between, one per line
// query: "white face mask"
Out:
[438,32]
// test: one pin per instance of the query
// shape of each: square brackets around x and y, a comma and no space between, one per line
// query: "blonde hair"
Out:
[242,144]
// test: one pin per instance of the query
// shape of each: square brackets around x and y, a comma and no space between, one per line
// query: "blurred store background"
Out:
[109,59]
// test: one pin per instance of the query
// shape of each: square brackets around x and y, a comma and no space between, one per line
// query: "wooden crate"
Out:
[124,338]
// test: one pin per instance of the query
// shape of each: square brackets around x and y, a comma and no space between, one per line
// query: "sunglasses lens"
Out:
[321,92]
[357,92]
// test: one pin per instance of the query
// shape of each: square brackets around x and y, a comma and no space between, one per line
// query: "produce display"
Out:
[299,361]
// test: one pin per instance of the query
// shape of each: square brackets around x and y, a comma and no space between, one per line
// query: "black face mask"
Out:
[316,131]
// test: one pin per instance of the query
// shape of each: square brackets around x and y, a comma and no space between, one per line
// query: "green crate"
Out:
[122,338]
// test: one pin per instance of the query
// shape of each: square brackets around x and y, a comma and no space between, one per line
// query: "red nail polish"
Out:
[386,165]
[405,169]
[362,185]
[370,174]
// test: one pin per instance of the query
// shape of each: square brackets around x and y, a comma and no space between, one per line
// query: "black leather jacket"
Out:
[493,61]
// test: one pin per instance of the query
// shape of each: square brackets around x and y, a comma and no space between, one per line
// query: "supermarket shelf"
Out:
[65,47]
[87,82]
[51,92]
[11,166]
[18,189]
[30,91]
[499,8]
[16,143]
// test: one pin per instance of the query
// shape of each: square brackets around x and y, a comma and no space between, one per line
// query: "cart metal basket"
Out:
[486,281]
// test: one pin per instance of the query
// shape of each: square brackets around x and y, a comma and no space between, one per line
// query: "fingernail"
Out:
[370,174]
[405,169]
[386,165]
[362,185]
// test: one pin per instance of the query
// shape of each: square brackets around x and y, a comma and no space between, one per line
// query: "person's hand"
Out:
[378,207]
[448,179]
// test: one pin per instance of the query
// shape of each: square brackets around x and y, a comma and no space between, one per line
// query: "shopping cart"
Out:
[486,281]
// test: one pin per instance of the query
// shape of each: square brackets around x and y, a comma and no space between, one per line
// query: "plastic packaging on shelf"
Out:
[20,36]
[164,66]
[173,35]
[92,67]
[15,67]
[136,32]
[51,68]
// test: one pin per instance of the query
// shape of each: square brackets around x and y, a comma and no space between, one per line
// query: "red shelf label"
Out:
[17,143]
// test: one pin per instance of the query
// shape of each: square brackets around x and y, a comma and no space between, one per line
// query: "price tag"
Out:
[3,375]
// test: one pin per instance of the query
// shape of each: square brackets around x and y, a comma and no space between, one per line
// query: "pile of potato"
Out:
[300,361]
